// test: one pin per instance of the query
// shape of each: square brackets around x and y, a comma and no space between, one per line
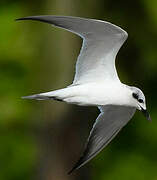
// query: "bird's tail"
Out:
[41,97]
[71,94]
[58,95]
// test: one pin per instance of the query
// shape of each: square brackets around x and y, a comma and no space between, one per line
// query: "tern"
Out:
[96,82]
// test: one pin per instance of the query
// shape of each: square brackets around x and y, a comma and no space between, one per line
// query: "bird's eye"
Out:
[135,95]
[140,101]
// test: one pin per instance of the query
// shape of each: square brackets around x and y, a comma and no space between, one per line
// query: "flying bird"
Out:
[96,82]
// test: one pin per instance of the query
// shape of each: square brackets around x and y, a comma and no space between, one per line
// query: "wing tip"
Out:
[37,18]
[76,166]
[28,18]
[50,19]
[19,19]
[82,161]
[25,18]
[70,172]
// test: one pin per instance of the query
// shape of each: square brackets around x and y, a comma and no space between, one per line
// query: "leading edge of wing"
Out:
[101,43]
[108,124]
[81,26]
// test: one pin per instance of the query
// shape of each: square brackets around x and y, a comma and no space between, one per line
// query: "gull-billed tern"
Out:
[96,82]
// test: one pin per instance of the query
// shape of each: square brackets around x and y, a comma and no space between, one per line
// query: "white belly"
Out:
[94,94]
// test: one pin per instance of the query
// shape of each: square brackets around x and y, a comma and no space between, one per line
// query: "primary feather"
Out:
[101,43]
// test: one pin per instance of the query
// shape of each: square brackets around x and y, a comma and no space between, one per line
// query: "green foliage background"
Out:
[42,140]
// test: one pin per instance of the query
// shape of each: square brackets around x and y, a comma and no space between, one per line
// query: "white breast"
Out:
[94,94]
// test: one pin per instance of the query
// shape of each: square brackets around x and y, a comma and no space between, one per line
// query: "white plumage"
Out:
[96,82]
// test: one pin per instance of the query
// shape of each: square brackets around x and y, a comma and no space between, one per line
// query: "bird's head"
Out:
[139,101]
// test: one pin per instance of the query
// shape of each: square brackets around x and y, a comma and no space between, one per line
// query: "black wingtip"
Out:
[72,170]
[26,18]
[78,165]
[44,18]
[18,19]
[75,167]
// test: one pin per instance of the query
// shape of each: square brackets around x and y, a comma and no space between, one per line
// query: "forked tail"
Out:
[41,97]
[59,95]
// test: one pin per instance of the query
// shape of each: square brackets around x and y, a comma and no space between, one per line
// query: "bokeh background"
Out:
[43,139]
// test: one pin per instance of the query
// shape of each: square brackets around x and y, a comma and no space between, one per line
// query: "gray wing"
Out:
[110,121]
[101,43]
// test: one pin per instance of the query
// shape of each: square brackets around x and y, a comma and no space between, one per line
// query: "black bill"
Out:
[146,114]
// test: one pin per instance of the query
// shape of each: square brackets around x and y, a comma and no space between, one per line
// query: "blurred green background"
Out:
[43,139]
